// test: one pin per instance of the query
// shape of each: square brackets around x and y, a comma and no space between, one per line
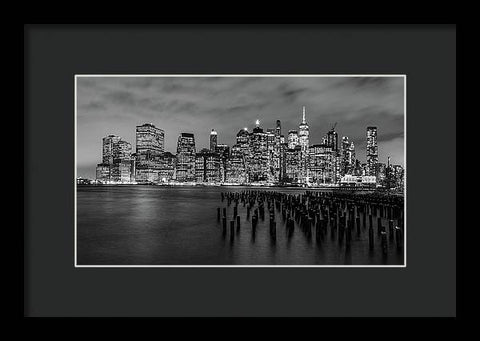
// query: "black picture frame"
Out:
[52,54]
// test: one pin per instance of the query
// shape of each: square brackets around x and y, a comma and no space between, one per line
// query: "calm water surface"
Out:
[151,225]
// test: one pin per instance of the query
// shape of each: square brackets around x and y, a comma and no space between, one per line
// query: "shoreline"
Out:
[331,188]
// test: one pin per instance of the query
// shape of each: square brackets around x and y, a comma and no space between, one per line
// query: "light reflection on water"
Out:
[151,225]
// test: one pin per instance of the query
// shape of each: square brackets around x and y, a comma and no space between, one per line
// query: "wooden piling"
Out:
[384,242]
[232,230]
[370,238]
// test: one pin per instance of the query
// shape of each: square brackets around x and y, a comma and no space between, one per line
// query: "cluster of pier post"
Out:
[342,213]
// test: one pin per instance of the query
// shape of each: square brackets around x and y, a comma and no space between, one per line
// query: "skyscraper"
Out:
[332,139]
[107,148]
[372,151]
[149,150]
[223,152]
[292,139]
[235,170]
[185,157]
[213,140]
[149,139]
[271,149]
[277,151]
[259,157]
[348,162]
[345,157]
[117,162]
[321,164]
[207,166]
[303,139]
[292,165]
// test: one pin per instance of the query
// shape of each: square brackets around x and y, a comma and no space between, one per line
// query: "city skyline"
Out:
[102,106]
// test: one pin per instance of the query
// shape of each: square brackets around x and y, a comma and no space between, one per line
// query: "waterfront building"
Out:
[207,166]
[276,152]
[372,151]
[236,167]
[83,181]
[292,165]
[365,181]
[292,139]
[185,157]
[381,173]
[332,139]
[121,172]
[102,172]
[223,151]
[303,140]
[166,167]
[282,159]
[213,140]
[149,152]
[212,168]
[348,162]
[258,155]
[146,167]
[243,138]
[358,168]
[108,143]
[344,155]
[322,164]
[149,139]
[272,156]
[243,143]
[117,162]
[399,177]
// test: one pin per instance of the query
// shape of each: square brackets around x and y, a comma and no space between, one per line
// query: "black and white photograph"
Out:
[240,170]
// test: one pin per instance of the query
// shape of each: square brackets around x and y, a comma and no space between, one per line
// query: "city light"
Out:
[262,157]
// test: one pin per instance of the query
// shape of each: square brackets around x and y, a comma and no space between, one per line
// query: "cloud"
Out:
[115,105]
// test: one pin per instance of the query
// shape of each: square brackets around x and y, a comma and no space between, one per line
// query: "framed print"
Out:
[240,171]
[163,194]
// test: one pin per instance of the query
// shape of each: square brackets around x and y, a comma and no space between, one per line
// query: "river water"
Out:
[154,225]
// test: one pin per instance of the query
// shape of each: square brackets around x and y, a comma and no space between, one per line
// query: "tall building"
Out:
[117,162]
[332,139]
[398,177]
[213,140]
[149,139]
[236,167]
[292,165]
[185,157]
[149,150]
[277,151]
[271,153]
[348,162]
[102,172]
[166,167]
[344,157]
[321,164]
[223,152]
[372,151]
[303,139]
[243,137]
[207,166]
[292,139]
[258,155]
[282,149]
[108,143]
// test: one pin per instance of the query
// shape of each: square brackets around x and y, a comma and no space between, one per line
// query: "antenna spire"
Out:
[303,115]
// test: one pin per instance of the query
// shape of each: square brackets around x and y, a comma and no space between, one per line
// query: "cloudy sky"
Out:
[115,105]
